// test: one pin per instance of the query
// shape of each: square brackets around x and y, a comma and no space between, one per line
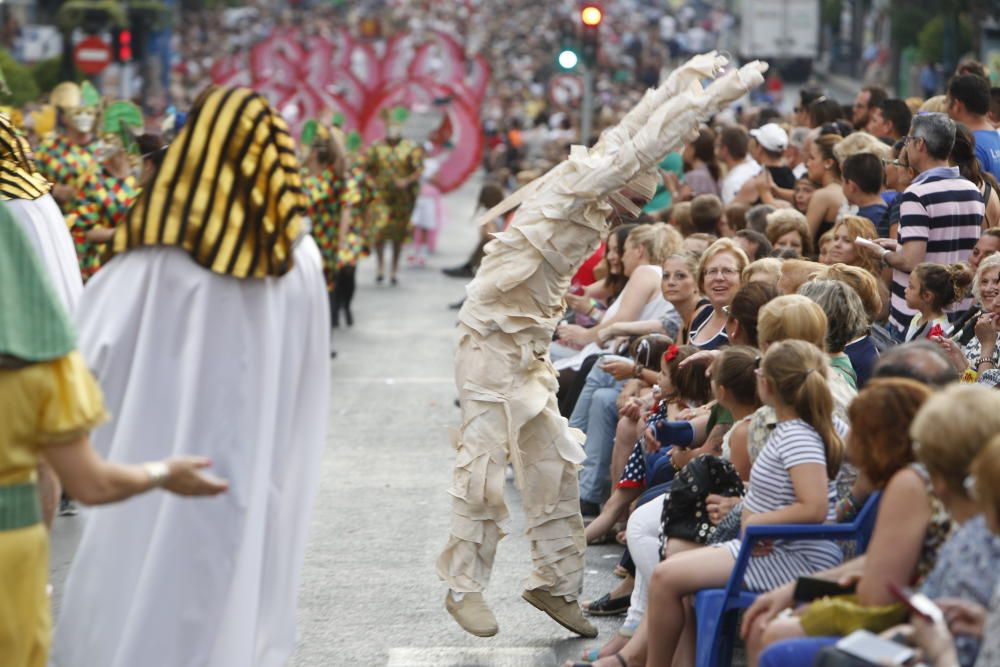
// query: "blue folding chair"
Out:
[717,609]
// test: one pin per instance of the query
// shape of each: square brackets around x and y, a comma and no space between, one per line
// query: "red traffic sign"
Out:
[91,55]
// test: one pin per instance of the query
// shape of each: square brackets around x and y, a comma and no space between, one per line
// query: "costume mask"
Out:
[83,119]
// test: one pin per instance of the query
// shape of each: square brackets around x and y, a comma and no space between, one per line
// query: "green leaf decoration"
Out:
[399,115]
[353,141]
[89,97]
[338,119]
[309,131]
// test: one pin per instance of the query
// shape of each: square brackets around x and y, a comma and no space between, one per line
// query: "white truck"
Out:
[786,33]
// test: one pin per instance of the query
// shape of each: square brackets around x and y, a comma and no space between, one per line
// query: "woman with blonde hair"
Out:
[787,228]
[719,276]
[642,257]
[824,170]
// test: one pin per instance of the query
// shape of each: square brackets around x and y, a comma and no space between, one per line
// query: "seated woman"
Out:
[590,307]
[643,254]
[863,350]
[596,297]
[980,357]
[920,502]
[846,321]
[680,288]
[969,632]
[719,277]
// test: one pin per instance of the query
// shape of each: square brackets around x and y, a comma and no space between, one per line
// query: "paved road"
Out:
[369,594]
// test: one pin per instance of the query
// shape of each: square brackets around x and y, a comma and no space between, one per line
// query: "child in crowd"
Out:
[863,177]
[650,461]
[706,214]
[934,287]
[804,189]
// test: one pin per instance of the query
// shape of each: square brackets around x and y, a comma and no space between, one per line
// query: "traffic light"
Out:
[591,17]
[568,59]
[121,45]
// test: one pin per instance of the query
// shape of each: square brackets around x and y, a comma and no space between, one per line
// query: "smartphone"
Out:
[868,244]
[918,603]
[808,589]
[872,648]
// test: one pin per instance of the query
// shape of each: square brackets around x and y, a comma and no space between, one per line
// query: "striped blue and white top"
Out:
[792,443]
[946,211]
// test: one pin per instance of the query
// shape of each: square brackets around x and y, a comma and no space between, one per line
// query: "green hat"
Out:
[121,119]
[353,142]
[89,97]
[309,131]
[34,326]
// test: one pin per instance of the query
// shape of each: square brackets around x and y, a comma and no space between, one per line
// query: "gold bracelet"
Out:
[158,472]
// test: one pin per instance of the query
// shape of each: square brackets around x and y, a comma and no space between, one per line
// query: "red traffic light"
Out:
[125,46]
[591,15]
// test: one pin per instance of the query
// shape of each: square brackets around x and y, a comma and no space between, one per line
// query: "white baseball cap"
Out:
[771,137]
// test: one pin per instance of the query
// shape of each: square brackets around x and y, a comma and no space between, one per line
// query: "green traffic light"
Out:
[568,59]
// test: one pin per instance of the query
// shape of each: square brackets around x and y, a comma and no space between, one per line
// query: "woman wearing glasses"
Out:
[719,278]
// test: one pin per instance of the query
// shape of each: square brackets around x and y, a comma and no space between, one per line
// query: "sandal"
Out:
[607,606]
[618,656]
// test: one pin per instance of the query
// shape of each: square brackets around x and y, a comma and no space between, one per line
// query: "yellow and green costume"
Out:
[391,207]
[47,397]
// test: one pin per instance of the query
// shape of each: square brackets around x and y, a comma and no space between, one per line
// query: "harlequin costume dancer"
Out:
[507,384]
[66,157]
[107,192]
[394,165]
[208,330]
[331,191]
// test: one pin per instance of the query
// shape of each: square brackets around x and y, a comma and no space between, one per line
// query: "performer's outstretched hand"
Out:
[184,477]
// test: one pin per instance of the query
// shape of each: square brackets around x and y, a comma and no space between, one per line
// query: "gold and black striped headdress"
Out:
[18,178]
[229,190]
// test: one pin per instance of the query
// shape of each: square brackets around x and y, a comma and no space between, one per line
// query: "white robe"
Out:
[45,226]
[237,370]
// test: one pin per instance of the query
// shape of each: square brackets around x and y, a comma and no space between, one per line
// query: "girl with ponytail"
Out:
[932,288]
[792,481]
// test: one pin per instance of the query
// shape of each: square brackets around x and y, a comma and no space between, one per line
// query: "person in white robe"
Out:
[27,196]
[208,333]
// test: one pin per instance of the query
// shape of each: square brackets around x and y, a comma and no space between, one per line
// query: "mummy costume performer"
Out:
[506,382]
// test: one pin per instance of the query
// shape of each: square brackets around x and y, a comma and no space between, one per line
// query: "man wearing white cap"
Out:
[767,148]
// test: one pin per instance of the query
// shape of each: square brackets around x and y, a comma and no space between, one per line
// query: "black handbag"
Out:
[684,513]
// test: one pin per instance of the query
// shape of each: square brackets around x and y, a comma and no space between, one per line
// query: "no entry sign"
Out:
[91,55]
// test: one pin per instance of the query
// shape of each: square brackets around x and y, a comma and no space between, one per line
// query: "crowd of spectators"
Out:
[828,290]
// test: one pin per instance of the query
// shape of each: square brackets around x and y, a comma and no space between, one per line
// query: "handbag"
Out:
[685,515]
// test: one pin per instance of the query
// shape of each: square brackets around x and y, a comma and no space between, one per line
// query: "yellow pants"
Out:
[25,620]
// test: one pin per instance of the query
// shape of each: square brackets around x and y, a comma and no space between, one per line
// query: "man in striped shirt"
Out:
[940,214]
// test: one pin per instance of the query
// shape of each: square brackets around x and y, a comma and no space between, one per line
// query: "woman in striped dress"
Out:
[792,481]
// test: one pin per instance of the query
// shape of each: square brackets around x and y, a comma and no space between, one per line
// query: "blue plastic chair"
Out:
[717,609]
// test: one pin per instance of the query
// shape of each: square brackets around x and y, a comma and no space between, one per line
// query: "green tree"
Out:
[23,88]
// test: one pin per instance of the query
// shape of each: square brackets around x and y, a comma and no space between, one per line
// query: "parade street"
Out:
[369,593]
